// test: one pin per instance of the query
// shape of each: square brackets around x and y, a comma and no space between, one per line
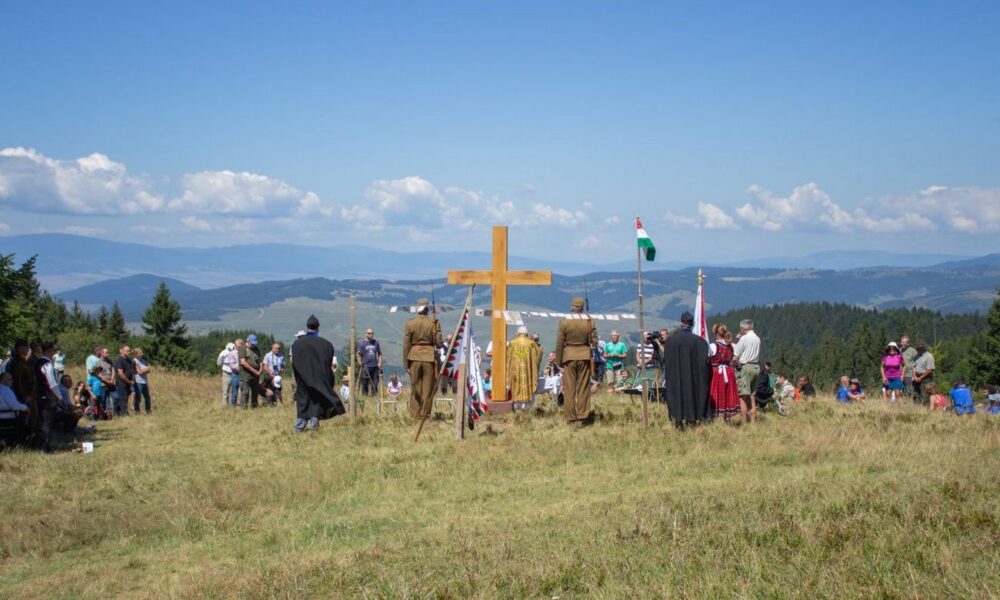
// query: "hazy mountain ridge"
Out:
[72,261]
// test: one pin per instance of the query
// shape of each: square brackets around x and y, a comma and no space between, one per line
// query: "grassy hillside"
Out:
[199,501]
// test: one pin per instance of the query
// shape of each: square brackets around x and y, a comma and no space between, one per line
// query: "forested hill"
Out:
[826,340]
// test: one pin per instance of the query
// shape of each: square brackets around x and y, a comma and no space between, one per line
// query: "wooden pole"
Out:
[463,389]
[642,331]
[353,407]
[499,322]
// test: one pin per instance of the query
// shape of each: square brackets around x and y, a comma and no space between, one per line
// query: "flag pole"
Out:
[642,331]
[463,375]
[444,365]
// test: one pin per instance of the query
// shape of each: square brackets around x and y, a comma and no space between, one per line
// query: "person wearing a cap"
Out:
[893,371]
[923,372]
[688,374]
[249,356]
[575,342]
[314,395]
[421,337]
[523,359]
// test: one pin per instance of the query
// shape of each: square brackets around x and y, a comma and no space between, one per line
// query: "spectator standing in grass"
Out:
[59,360]
[723,391]
[961,396]
[249,373]
[923,371]
[688,375]
[107,375]
[93,360]
[48,396]
[142,369]
[227,372]
[23,369]
[124,379]
[746,361]
[615,352]
[909,356]
[274,366]
[370,358]
[893,369]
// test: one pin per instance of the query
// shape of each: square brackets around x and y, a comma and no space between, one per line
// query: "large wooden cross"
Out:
[498,279]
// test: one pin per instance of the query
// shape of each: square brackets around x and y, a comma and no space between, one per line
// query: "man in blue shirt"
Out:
[962,397]
[370,357]
[844,390]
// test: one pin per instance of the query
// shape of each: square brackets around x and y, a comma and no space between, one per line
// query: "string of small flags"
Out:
[516,317]
[413,309]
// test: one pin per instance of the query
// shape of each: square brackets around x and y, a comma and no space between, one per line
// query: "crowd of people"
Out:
[250,380]
[38,398]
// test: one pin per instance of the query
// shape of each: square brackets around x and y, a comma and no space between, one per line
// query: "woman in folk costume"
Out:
[723,391]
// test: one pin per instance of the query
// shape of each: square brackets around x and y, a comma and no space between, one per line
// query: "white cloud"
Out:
[4,228]
[544,214]
[590,242]
[612,220]
[148,229]
[91,185]
[808,208]
[196,224]
[416,202]
[713,217]
[81,230]
[244,194]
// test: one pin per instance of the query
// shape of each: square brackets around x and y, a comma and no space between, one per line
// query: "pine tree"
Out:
[984,357]
[18,292]
[169,345]
[79,319]
[117,330]
[102,320]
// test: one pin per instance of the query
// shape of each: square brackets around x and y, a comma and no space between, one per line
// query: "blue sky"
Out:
[736,130]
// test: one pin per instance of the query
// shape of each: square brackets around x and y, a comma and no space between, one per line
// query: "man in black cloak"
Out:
[687,374]
[312,357]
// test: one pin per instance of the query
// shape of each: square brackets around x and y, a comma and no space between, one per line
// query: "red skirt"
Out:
[724,393]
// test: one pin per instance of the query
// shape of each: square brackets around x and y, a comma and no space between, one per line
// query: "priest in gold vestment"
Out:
[523,358]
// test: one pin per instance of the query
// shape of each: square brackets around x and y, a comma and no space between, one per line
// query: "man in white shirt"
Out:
[746,359]
[13,410]
[48,396]
[231,373]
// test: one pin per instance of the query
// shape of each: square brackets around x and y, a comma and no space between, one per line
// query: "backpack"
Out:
[219,361]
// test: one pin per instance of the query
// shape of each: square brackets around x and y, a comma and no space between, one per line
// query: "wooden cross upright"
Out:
[498,279]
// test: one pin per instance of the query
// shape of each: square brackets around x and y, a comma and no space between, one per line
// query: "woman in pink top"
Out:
[893,371]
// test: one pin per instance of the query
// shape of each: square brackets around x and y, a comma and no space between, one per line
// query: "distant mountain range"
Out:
[70,261]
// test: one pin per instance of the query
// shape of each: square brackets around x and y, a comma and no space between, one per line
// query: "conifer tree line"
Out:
[28,312]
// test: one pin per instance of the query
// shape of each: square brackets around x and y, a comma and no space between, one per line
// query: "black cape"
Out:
[687,373]
[312,357]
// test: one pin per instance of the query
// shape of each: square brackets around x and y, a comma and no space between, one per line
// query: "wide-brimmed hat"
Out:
[891,345]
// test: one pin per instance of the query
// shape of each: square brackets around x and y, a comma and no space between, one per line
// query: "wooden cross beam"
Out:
[498,279]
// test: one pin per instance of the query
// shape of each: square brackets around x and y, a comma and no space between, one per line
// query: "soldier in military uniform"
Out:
[575,341]
[421,337]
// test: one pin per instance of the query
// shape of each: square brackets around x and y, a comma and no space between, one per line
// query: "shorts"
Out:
[746,379]
[894,384]
[611,374]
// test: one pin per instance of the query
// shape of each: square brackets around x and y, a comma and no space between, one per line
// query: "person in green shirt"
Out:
[909,355]
[615,352]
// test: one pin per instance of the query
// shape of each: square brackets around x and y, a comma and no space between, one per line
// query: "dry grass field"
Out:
[199,501]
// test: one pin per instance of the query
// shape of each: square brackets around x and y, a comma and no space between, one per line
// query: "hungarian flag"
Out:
[700,329]
[645,244]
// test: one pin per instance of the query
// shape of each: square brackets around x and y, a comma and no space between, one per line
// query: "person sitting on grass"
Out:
[623,381]
[937,400]
[961,395]
[805,389]
[784,394]
[857,393]
[993,400]
[844,389]
[12,411]
[395,386]
[67,414]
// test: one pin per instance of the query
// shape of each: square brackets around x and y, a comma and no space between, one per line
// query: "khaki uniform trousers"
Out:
[421,388]
[576,390]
